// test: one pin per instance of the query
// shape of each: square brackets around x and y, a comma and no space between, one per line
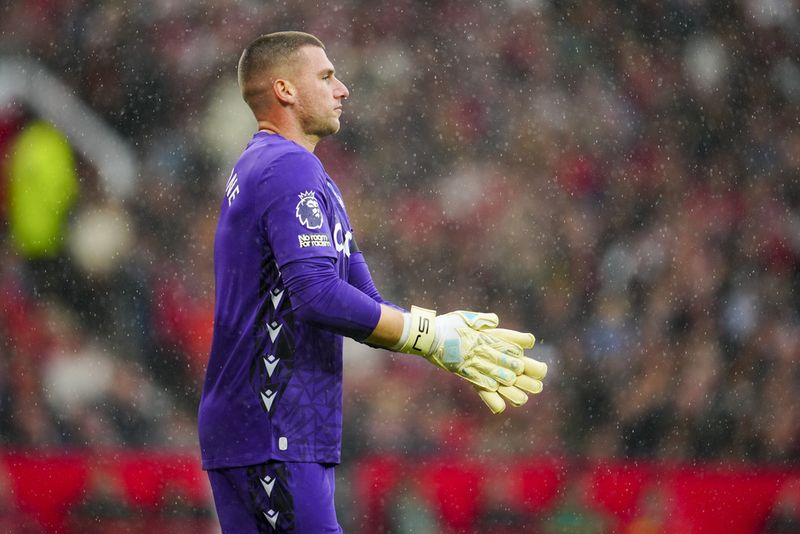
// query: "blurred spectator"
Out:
[577,512]
[42,185]
[409,513]
[104,507]
[502,511]
[654,513]
[180,514]
[785,515]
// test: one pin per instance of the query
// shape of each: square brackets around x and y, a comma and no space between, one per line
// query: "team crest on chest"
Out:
[308,211]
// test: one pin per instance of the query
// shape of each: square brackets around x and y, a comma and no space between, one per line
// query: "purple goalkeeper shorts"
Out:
[275,497]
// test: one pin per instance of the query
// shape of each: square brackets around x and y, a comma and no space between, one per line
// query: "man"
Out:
[290,282]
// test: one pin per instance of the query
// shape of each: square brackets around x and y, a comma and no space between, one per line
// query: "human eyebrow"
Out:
[327,72]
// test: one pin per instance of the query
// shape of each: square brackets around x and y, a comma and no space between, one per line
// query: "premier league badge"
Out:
[308,212]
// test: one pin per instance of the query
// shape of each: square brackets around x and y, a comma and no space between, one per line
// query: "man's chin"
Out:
[334,126]
[328,129]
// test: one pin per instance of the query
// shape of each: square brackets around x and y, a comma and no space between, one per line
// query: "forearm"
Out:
[321,298]
[389,329]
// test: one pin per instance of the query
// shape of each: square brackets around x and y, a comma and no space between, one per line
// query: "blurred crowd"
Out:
[620,178]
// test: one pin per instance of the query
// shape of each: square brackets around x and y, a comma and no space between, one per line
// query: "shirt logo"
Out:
[313,240]
[342,240]
[308,212]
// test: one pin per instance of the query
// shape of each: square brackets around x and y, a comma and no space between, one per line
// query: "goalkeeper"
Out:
[290,282]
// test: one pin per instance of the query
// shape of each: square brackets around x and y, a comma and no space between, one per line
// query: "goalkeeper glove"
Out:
[470,345]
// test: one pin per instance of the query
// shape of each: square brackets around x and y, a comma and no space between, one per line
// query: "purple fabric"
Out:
[321,298]
[273,387]
[280,497]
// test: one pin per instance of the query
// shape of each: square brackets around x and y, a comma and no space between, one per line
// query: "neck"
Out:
[309,142]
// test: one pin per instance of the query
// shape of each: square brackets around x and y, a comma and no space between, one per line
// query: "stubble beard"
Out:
[324,129]
[318,126]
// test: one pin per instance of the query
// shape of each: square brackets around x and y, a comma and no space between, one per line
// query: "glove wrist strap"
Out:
[421,332]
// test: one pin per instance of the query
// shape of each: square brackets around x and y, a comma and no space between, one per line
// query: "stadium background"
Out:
[620,178]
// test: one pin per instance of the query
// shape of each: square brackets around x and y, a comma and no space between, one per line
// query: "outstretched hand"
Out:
[470,345]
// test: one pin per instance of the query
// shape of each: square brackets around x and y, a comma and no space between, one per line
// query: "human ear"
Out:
[284,91]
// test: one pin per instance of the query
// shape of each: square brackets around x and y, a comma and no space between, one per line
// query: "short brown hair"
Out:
[266,53]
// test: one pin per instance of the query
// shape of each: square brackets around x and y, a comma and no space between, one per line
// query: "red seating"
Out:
[374,480]
[148,477]
[46,485]
[539,481]
[725,500]
[708,499]
[617,487]
[454,488]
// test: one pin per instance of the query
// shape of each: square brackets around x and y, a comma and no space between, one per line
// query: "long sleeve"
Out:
[320,297]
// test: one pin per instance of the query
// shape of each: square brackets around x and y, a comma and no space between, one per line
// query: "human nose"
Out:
[342,91]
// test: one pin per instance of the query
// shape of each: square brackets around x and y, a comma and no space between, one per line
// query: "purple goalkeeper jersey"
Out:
[273,387]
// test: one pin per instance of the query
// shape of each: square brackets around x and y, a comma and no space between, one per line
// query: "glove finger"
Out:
[514,395]
[504,376]
[528,384]
[478,320]
[509,361]
[485,337]
[534,368]
[525,340]
[478,378]
[494,401]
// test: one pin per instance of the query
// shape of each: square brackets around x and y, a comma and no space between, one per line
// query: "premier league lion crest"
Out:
[308,212]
